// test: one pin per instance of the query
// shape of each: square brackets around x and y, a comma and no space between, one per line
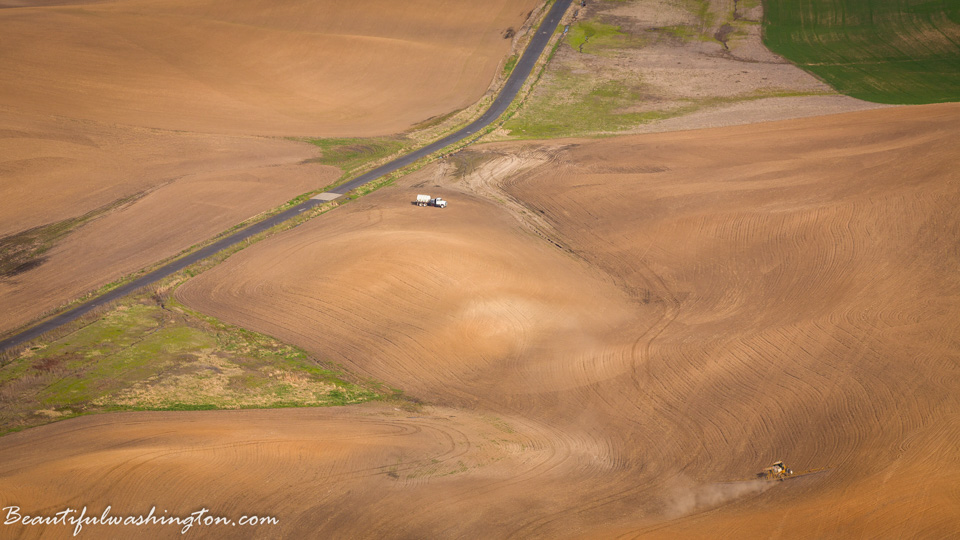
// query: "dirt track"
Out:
[722,299]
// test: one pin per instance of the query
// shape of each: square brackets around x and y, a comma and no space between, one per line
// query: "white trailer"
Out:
[425,200]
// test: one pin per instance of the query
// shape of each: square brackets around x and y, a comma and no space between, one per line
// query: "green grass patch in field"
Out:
[886,51]
[509,65]
[574,104]
[142,355]
[594,36]
[351,154]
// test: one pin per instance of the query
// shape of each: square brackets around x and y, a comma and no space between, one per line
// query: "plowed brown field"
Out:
[263,67]
[162,223]
[57,168]
[190,186]
[708,302]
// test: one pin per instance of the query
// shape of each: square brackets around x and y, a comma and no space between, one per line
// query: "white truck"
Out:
[425,200]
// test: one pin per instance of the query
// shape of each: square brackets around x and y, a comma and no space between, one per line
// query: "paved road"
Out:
[519,76]
[520,73]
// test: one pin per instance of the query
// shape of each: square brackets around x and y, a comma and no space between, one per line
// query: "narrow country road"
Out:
[509,91]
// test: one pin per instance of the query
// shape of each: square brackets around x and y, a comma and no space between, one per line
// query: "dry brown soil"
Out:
[165,221]
[613,337]
[55,167]
[263,67]
[105,100]
[187,187]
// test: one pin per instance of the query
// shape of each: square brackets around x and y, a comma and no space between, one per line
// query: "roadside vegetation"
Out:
[569,100]
[351,155]
[509,65]
[896,51]
[151,353]
[571,104]
[595,36]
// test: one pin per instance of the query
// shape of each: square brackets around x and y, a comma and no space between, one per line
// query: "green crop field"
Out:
[886,51]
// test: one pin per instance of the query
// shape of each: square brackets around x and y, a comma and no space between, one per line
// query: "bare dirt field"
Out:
[159,225]
[185,188]
[56,167]
[171,103]
[612,340]
[337,463]
[260,67]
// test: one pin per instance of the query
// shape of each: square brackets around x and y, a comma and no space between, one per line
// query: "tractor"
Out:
[777,471]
